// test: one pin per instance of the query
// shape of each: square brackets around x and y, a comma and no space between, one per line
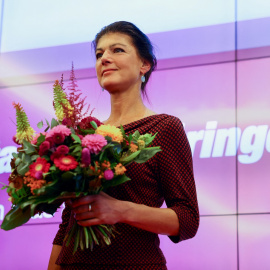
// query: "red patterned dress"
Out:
[167,176]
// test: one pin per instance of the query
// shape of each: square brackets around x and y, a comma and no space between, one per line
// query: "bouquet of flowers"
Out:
[76,155]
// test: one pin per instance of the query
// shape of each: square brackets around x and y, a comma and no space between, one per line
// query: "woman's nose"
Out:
[105,57]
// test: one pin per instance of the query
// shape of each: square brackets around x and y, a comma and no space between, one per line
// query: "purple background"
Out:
[200,78]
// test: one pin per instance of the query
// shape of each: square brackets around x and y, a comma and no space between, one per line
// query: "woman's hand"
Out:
[107,210]
[97,209]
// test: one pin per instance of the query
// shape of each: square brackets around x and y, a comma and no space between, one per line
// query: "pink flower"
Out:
[58,134]
[35,137]
[44,147]
[94,142]
[108,175]
[86,158]
[62,149]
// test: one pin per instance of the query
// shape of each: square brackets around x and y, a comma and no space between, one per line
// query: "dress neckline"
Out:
[138,124]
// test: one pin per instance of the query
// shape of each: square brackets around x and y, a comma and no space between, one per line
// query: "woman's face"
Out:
[118,65]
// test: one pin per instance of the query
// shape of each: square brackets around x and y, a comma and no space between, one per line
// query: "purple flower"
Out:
[86,159]
[108,175]
[39,175]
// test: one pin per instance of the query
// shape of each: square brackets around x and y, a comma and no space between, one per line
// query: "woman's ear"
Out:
[145,66]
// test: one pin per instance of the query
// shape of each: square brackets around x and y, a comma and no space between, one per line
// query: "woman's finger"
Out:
[83,200]
[85,216]
[85,208]
[89,222]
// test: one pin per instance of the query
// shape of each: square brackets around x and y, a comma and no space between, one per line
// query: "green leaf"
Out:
[130,157]
[67,176]
[93,235]
[26,159]
[15,155]
[70,234]
[108,139]
[91,241]
[48,124]
[136,135]
[28,148]
[34,157]
[17,161]
[81,238]
[86,236]
[49,188]
[146,154]
[40,124]
[129,138]
[123,132]
[41,139]
[23,169]
[120,179]
[86,131]
[47,128]
[53,168]
[54,123]
[117,147]
[77,239]
[147,138]
[72,130]
[15,218]
[76,138]
[93,124]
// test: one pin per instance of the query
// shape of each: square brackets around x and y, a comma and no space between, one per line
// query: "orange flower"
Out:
[16,180]
[33,183]
[119,169]
[133,147]
[106,164]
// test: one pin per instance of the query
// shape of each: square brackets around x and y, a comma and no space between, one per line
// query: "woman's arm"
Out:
[108,210]
[54,255]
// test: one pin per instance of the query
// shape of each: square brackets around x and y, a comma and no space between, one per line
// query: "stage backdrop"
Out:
[213,73]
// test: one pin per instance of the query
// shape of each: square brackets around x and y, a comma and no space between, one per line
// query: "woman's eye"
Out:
[118,50]
[98,55]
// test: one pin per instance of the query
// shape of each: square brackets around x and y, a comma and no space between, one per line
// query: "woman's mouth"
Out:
[107,71]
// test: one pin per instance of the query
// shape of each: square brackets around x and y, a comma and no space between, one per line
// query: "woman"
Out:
[124,63]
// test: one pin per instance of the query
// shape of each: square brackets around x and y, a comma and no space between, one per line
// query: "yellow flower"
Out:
[62,107]
[25,135]
[119,169]
[141,144]
[24,131]
[111,131]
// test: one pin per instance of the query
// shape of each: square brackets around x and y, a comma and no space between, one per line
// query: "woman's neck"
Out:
[127,107]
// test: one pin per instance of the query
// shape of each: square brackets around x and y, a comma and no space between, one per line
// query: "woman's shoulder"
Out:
[167,121]
[155,123]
